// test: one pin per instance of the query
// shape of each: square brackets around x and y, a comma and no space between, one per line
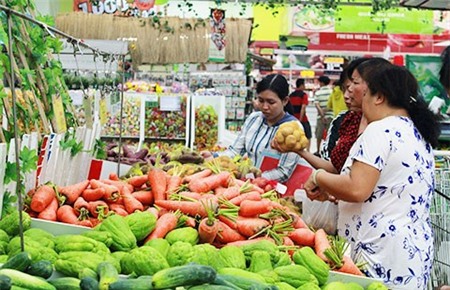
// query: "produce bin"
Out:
[57,228]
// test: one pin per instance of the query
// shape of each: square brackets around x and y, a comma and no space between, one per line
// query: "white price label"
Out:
[170,103]
[249,176]
[281,188]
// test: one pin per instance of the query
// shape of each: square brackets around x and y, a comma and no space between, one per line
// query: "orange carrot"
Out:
[252,208]
[253,186]
[81,206]
[220,190]
[303,237]
[90,194]
[113,176]
[321,243]
[244,242]
[190,194]
[72,192]
[158,183]
[190,222]
[162,211]
[131,203]
[207,230]
[205,184]
[249,227]
[67,214]
[119,184]
[98,209]
[297,221]
[138,181]
[154,211]
[173,183]
[226,234]
[200,174]
[86,223]
[252,195]
[289,243]
[43,196]
[164,224]
[232,224]
[349,267]
[144,196]
[231,192]
[49,213]
[191,208]
[118,209]
[111,192]
[93,221]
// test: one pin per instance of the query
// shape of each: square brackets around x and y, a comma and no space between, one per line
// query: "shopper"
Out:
[386,185]
[260,127]
[299,100]
[336,102]
[324,115]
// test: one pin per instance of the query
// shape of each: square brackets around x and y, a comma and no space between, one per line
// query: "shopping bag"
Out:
[299,176]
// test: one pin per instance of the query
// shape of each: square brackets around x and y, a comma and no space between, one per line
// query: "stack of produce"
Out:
[206,127]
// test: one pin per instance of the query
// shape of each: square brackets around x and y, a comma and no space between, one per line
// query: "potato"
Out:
[280,138]
[298,133]
[286,130]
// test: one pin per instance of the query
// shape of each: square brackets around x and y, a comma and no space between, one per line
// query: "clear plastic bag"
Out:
[318,214]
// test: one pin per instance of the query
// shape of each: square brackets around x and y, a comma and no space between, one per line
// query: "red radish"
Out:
[49,213]
[72,192]
[303,237]
[158,183]
[164,224]
[42,198]
[90,194]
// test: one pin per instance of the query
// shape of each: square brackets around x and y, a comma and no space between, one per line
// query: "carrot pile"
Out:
[224,210]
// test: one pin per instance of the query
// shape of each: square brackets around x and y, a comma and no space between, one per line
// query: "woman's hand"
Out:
[274,144]
[207,155]
[314,192]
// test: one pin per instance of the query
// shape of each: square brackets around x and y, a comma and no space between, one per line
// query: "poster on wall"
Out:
[131,8]
[217,41]
[426,70]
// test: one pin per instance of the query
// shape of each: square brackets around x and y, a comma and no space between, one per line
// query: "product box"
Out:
[240,114]
[100,169]
[231,113]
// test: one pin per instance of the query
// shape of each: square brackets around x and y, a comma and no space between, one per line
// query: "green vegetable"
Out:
[205,254]
[309,286]
[143,261]
[283,260]
[307,258]
[354,286]
[26,281]
[270,276]
[20,262]
[133,284]
[99,236]
[242,273]
[191,274]
[122,236]
[108,274]
[260,261]
[210,287]
[34,248]
[295,275]
[89,283]
[4,258]
[263,245]
[220,281]
[186,234]
[240,282]
[4,236]
[335,286]
[286,286]
[66,283]
[86,272]
[69,243]
[41,236]
[231,257]
[141,224]
[10,223]
[71,263]
[376,286]
[180,253]
[5,282]
[3,248]
[159,244]
[41,268]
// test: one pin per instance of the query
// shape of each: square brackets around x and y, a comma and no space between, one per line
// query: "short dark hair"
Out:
[277,83]
[299,82]
[324,79]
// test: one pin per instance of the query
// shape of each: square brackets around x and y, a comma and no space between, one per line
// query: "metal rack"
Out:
[440,221]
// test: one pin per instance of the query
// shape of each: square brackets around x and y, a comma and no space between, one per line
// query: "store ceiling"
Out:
[426,4]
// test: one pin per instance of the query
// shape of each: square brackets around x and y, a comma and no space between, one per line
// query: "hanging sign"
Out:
[58,110]
[137,8]
[217,40]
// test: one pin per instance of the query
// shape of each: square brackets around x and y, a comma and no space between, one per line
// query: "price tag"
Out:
[281,188]
[151,101]
[170,103]
[307,74]
[58,110]
[249,176]
[87,105]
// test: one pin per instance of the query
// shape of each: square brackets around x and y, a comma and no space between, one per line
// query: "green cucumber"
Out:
[132,284]
[210,287]
[190,274]
[66,283]
[20,262]
[89,283]
[5,282]
[107,274]
[25,280]
[43,268]
[241,282]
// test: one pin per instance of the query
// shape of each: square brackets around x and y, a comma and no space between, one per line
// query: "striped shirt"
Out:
[321,96]
[255,138]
